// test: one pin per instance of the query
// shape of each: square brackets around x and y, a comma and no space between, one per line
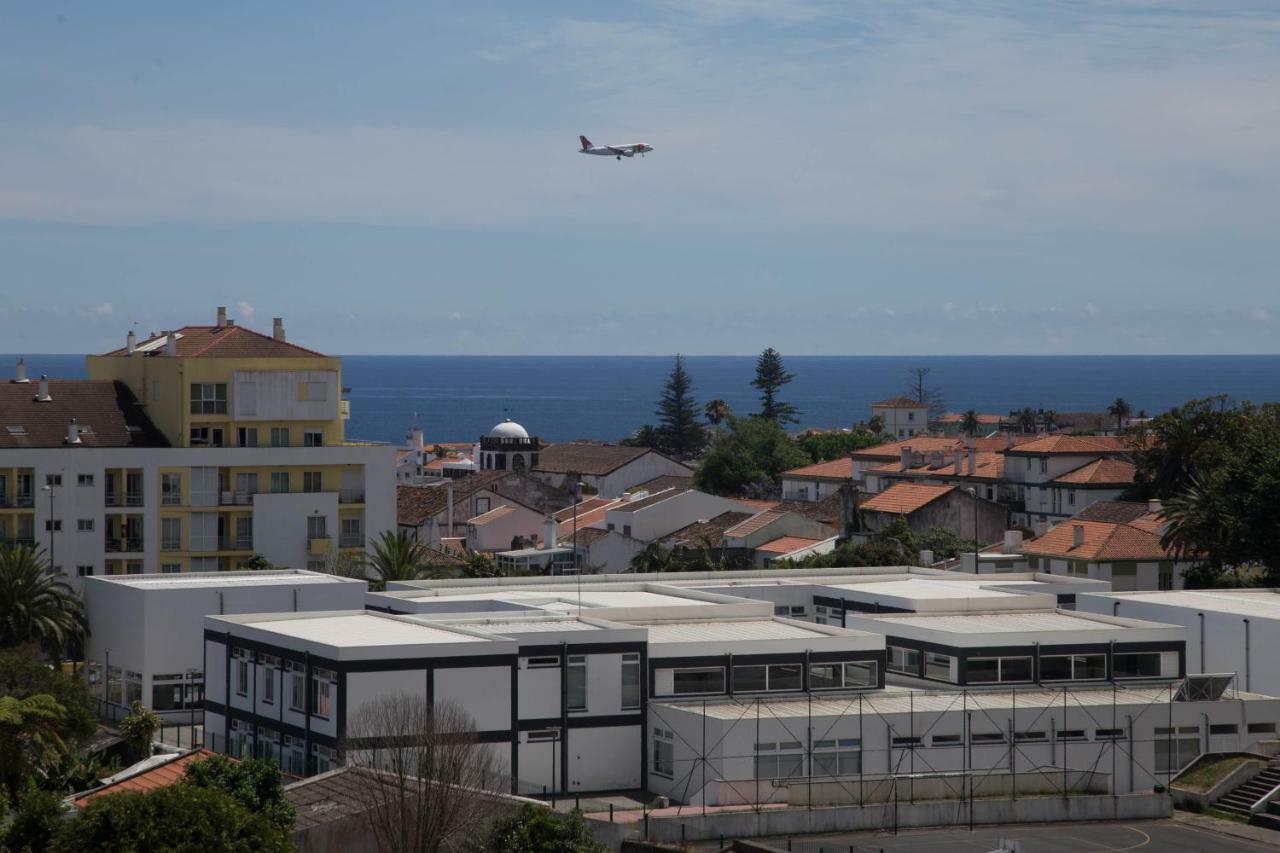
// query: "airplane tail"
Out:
[586,143]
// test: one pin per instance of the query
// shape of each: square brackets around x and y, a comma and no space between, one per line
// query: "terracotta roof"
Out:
[666,481]
[169,773]
[1103,540]
[757,503]
[986,466]
[415,504]
[1071,444]
[832,469]
[929,443]
[1119,512]
[905,498]
[222,342]
[588,535]
[712,529]
[440,557]
[107,409]
[755,522]
[826,510]
[492,515]
[957,417]
[902,402]
[584,506]
[1100,472]
[787,544]
[587,459]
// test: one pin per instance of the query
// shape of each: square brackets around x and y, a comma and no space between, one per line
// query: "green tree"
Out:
[257,563]
[397,556]
[1188,440]
[919,389]
[1026,419]
[748,458]
[30,736]
[35,821]
[1120,410]
[654,557]
[138,729]
[716,411]
[876,424]
[646,436]
[23,675]
[1050,418]
[771,376]
[679,432]
[256,784]
[481,566]
[37,605]
[184,818]
[969,423]
[534,829]
[822,446]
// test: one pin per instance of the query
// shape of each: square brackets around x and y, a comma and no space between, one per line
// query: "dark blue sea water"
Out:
[564,397]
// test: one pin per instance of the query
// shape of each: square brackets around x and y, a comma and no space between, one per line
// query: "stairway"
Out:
[1240,799]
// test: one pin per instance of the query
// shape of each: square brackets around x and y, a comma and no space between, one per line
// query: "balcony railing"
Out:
[350,540]
[235,543]
[351,496]
[8,501]
[319,546]
[16,541]
[124,544]
[133,499]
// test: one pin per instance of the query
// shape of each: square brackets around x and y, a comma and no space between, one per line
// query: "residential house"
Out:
[1033,467]
[926,506]
[441,511]
[608,470]
[952,423]
[903,417]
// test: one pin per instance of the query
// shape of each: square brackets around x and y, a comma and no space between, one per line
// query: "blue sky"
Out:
[830,178]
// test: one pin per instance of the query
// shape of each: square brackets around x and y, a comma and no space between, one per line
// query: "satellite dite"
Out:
[631,149]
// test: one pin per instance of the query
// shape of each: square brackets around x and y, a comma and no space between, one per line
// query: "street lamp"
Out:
[48,490]
[974,494]
[577,569]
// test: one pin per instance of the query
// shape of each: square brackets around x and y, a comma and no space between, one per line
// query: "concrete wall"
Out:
[954,512]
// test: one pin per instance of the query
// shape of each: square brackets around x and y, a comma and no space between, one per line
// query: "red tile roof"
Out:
[787,544]
[1102,540]
[169,773]
[986,466]
[957,417]
[692,536]
[832,469]
[755,522]
[905,498]
[107,409]
[929,443]
[1100,472]
[901,402]
[222,342]
[1048,444]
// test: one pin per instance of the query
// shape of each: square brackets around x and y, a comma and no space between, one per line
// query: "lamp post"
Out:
[974,494]
[577,569]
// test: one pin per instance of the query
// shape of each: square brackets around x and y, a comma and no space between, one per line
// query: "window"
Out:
[1073,667]
[994,670]
[1137,665]
[1071,497]
[322,693]
[1029,737]
[171,490]
[1071,734]
[903,660]
[774,677]
[242,677]
[84,571]
[247,436]
[312,438]
[842,757]
[352,532]
[663,752]
[279,436]
[208,398]
[630,682]
[906,741]
[576,683]
[54,524]
[779,760]
[689,680]
[626,530]
[1224,729]
[297,686]
[204,487]
[84,479]
[946,740]
[832,676]
[1044,465]
[206,436]
[543,736]
[280,482]
[482,506]
[244,533]
[268,668]
[170,568]
[203,531]
[246,485]
[1108,734]
[311,481]
[542,662]
[938,666]
[323,757]
[987,737]
[1262,728]
[84,525]
[1176,748]
[53,479]
[317,392]
[316,527]
[170,534]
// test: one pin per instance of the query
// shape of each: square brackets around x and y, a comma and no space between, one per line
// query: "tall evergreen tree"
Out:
[771,375]
[679,430]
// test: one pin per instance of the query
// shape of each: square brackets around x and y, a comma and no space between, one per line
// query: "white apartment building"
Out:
[903,417]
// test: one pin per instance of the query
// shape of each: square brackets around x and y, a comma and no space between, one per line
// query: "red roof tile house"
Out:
[903,416]
[926,506]
[1037,469]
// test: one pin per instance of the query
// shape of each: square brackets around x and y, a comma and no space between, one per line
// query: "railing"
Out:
[16,501]
[348,541]
[16,541]
[318,546]
[351,496]
[126,544]
[133,499]
[235,543]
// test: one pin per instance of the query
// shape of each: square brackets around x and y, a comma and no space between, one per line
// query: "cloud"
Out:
[1260,314]
[1091,310]
[455,315]
[246,311]
[104,310]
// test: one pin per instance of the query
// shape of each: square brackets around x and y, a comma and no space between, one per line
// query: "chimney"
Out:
[222,316]
[1008,440]
[415,439]
[130,342]
[171,344]
[42,390]
[277,328]
[905,461]
[1012,541]
[1155,506]
[549,532]
[20,377]
[959,462]
[973,457]
[73,432]
[1077,535]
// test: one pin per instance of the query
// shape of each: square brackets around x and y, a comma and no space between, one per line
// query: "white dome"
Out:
[508,429]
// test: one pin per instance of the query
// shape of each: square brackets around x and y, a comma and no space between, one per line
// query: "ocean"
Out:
[458,398]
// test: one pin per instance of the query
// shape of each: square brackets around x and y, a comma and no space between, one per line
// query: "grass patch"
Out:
[1231,816]
[1209,773]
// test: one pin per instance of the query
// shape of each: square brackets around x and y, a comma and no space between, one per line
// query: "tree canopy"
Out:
[771,376]
[748,458]
[679,431]
[534,829]
[255,783]
[823,446]
[37,606]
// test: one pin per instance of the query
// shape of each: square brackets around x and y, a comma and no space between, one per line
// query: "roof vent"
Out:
[277,328]
[222,316]
[20,376]
[1077,535]
[130,342]
[42,390]
[73,432]
[1154,506]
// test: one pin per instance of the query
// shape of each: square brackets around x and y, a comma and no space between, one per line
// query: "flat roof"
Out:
[929,588]
[360,629]
[891,701]
[531,626]
[733,629]
[1263,603]
[1000,623]
[207,580]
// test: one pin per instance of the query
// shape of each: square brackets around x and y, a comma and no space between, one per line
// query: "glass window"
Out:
[903,660]
[312,438]
[841,757]
[84,525]
[937,666]
[773,677]
[247,436]
[663,753]
[1137,665]
[280,482]
[171,489]
[630,682]
[1262,728]
[1175,753]
[242,677]
[268,680]
[297,686]
[203,531]
[994,670]
[316,527]
[750,679]
[576,676]
[208,398]
[279,436]
[705,679]
[170,568]
[779,760]
[171,534]
[1073,667]
[84,479]
[312,481]
[322,693]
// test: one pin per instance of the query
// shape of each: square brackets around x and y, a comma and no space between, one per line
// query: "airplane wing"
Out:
[625,152]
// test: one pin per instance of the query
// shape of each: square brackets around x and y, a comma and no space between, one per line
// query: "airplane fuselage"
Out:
[619,151]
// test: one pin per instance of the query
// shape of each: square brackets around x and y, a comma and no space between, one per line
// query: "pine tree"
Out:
[679,430]
[771,375]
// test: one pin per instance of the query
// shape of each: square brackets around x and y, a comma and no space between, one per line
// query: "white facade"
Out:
[901,420]
[661,514]
[143,627]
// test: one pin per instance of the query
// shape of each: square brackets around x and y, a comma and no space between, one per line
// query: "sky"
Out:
[829,178]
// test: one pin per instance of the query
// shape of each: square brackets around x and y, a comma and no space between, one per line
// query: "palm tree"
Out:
[36,605]
[969,423]
[397,557]
[654,558]
[716,411]
[1120,410]
[28,737]
[1026,420]
[1199,526]
[1050,418]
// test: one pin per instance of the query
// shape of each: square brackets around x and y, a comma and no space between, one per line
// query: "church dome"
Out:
[508,429]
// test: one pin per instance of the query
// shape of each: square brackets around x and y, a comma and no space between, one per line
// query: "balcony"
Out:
[8,501]
[235,543]
[133,499]
[319,546]
[351,496]
[351,540]
[236,498]
[125,545]
[18,541]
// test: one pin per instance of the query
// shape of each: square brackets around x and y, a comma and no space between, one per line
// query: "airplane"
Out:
[631,149]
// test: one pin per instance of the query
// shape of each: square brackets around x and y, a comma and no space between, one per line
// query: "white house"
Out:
[903,417]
